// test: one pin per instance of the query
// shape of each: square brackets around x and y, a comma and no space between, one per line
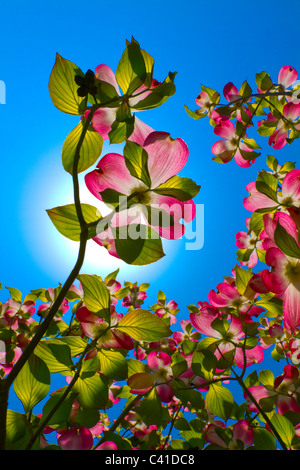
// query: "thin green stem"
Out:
[256,95]
[259,408]
[47,418]
[176,413]
[118,421]
[43,327]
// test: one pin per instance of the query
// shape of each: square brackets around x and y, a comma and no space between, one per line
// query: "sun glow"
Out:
[56,254]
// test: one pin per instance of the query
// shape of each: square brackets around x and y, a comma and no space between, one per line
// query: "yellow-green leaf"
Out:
[142,325]
[56,355]
[63,88]
[220,401]
[90,150]
[33,382]
[113,364]
[65,219]
[96,296]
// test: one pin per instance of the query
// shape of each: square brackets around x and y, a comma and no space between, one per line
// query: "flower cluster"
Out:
[275,104]
[173,385]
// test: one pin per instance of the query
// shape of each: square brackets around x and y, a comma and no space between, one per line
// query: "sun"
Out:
[55,254]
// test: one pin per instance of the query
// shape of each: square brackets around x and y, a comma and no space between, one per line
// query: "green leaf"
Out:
[251,143]
[114,198]
[92,391]
[263,81]
[267,128]
[112,276]
[243,254]
[194,114]
[56,355]
[213,94]
[286,242]
[159,94]
[150,409]
[15,294]
[267,184]
[243,276]
[138,244]
[136,159]
[252,379]
[106,94]
[284,428]
[134,69]
[87,417]
[256,223]
[272,304]
[272,163]
[225,110]
[182,424]
[121,130]
[96,296]
[141,381]
[142,325]
[267,378]
[136,367]
[245,90]
[179,364]
[76,344]
[219,400]
[121,293]
[61,415]
[65,219]
[63,89]
[17,433]
[179,187]
[263,439]
[113,364]
[32,383]
[90,149]
[204,363]
[256,109]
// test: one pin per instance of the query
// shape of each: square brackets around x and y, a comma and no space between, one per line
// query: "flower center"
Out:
[292,272]
[141,195]
[237,303]
[287,201]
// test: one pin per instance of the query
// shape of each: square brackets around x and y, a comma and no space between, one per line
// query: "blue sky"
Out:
[209,43]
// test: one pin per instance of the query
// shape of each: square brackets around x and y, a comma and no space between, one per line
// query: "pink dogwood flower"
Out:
[231,146]
[104,117]
[161,373]
[92,326]
[241,431]
[227,339]
[285,391]
[64,306]
[249,241]
[76,439]
[15,313]
[290,120]
[7,367]
[135,298]
[231,92]
[166,157]
[167,310]
[284,278]
[288,196]
[287,76]
[108,445]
